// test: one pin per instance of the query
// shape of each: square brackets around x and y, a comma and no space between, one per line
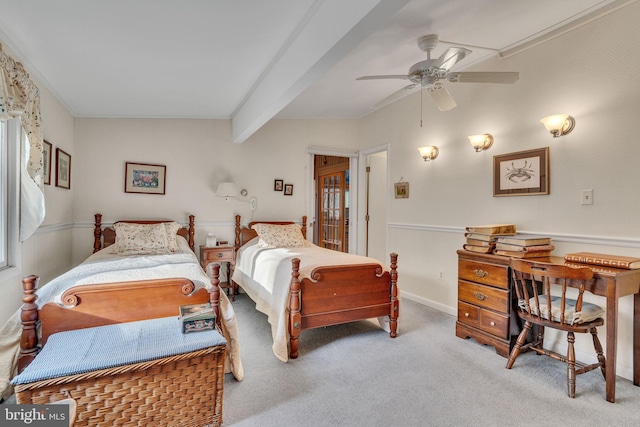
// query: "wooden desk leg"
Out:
[636,339]
[612,346]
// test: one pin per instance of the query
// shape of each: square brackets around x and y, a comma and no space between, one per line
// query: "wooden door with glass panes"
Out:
[332,211]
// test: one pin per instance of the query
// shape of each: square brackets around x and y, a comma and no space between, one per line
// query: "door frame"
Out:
[353,190]
[361,221]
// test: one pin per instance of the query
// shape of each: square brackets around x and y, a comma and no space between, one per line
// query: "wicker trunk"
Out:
[182,390]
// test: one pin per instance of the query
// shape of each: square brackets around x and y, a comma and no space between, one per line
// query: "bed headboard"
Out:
[244,234]
[103,237]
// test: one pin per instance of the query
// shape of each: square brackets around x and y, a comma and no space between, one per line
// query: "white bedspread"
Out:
[104,267]
[265,274]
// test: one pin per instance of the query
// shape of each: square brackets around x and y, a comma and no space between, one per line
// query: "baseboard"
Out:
[429,303]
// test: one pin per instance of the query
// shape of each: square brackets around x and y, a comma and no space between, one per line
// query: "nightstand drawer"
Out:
[216,254]
[484,296]
[488,274]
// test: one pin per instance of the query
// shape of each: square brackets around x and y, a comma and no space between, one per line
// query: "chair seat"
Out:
[589,312]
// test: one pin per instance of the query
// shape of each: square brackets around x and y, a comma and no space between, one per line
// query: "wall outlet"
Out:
[441,276]
[587,197]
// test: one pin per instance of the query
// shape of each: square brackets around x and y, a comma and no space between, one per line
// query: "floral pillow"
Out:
[280,236]
[171,229]
[140,239]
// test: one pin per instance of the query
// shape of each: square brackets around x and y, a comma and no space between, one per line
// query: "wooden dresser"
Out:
[485,301]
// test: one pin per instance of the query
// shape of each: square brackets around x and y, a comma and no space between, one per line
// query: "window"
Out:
[10,132]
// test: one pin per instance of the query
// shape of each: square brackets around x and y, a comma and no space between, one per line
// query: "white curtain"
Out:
[19,97]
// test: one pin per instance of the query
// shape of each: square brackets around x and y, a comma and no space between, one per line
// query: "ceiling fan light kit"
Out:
[559,124]
[429,72]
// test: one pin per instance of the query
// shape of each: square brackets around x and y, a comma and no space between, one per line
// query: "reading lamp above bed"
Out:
[229,189]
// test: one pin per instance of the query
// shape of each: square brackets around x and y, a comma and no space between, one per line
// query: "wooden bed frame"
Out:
[86,306]
[334,294]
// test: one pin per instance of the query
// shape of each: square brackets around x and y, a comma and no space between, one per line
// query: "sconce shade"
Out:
[429,153]
[481,142]
[558,124]
[227,189]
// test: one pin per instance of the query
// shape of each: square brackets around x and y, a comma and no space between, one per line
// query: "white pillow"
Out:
[140,239]
[171,229]
[280,236]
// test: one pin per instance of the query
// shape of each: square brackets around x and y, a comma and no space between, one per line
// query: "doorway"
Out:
[331,175]
[375,201]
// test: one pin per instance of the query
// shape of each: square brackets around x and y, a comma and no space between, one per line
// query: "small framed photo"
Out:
[46,162]
[144,178]
[525,173]
[278,185]
[288,189]
[401,190]
[63,169]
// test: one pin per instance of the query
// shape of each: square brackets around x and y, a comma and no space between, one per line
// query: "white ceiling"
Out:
[252,60]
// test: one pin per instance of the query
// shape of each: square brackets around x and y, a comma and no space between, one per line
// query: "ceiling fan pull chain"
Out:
[421,115]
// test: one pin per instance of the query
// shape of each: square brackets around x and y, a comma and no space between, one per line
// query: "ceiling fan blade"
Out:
[389,76]
[395,96]
[484,77]
[443,99]
[451,57]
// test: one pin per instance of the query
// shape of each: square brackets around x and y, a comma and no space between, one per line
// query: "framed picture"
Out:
[63,169]
[46,162]
[288,189]
[401,190]
[278,185]
[144,178]
[525,173]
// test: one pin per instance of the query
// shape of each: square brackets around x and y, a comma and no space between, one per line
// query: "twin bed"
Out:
[300,286]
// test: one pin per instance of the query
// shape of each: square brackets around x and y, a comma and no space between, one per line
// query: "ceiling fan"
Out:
[430,72]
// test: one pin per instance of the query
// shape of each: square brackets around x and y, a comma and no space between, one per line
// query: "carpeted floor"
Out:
[355,375]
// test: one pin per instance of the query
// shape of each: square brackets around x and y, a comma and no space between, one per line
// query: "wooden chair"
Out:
[534,282]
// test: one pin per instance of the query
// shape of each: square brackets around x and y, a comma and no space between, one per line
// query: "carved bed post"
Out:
[304,226]
[236,243]
[295,325]
[192,231]
[214,293]
[395,306]
[29,319]
[97,233]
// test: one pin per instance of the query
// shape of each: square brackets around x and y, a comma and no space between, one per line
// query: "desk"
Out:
[613,283]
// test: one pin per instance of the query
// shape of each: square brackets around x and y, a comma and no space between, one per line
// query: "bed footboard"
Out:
[85,306]
[341,294]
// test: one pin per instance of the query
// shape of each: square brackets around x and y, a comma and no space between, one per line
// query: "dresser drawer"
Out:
[222,254]
[484,296]
[488,274]
[489,321]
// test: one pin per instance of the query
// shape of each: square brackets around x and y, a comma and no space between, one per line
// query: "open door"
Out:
[332,194]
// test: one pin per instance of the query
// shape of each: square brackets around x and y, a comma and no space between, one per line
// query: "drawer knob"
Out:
[466,315]
[492,323]
[480,296]
[219,254]
[481,273]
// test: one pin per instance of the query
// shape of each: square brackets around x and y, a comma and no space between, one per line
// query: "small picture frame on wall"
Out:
[401,189]
[46,162]
[524,173]
[288,189]
[278,185]
[63,169]
[144,178]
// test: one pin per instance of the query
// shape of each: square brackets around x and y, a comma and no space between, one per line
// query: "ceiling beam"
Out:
[329,31]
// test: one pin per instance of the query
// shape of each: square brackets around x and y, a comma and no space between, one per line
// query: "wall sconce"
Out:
[559,124]
[481,142]
[429,153]
[229,189]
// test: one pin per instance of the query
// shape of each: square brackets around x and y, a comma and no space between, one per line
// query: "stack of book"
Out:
[482,238]
[523,245]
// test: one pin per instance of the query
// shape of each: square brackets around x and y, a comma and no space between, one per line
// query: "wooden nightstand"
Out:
[220,254]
